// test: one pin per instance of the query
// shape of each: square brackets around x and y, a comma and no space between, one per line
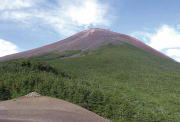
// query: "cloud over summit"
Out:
[64,17]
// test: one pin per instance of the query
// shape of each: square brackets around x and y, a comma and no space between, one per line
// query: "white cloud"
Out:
[87,13]
[65,17]
[177,59]
[7,48]
[16,15]
[165,39]
[15,4]
[173,52]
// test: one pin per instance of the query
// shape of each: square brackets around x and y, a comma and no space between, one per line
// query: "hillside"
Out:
[119,81]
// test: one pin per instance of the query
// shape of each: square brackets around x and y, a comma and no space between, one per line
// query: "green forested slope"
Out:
[117,81]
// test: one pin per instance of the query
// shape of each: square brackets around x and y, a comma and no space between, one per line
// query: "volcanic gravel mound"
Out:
[36,108]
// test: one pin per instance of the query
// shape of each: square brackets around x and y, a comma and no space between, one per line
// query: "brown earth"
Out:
[88,39]
[36,108]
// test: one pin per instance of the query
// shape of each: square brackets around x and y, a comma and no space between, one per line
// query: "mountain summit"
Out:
[85,40]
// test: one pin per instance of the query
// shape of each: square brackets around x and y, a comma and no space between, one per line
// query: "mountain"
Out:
[85,40]
[111,74]
[36,108]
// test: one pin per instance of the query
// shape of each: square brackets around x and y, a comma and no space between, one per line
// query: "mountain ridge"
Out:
[85,40]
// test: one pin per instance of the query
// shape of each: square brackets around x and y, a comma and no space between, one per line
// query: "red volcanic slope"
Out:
[88,39]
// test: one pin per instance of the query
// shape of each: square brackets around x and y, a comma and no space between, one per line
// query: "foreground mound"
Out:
[34,107]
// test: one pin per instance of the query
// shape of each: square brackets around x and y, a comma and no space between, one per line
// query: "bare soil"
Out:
[35,108]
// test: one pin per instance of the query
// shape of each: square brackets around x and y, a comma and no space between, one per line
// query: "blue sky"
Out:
[27,24]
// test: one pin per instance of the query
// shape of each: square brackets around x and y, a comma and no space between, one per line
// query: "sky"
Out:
[28,24]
